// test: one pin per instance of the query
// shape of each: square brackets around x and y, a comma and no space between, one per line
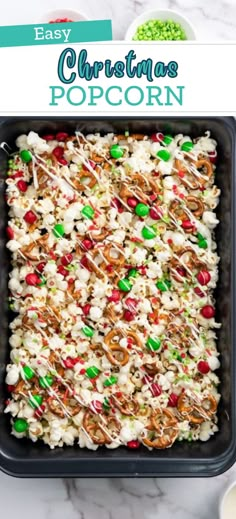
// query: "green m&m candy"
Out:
[202,244]
[148,233]
[116,151]
[88,212]
[25,155]
[46,381]
[187,146]
[88,331]
[92,372]
[106,405]
[167,140]
[20,425]
[163,285]
[58,230]
[110,381]
[163,155]
[35,401]
[28,372]
[133,273]
[142,210]
[124,285]
[153,343]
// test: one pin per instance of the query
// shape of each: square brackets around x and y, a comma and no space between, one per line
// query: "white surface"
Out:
[120,499]
[161,14]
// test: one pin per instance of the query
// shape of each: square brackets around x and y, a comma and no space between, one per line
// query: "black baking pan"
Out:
[22,457]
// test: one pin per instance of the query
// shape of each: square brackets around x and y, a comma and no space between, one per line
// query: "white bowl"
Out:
[76,16]
[224,508]
[161,14]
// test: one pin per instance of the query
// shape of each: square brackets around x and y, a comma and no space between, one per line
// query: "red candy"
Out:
[173,399]
[30,217]
[22,186]
[208,311]
[155,389]
[62,161]
[66,260]
[40,266]
[131,303]
[199,292]
[181,271]
[39,411]
[116,203]
[86,309]
[156,213]
[212,156]
[10,388]
[132,202]
[203,277]
[32,279]
[87,244]
[84,263]
[181,174]
[157,137]
[133,444]
[48,137]
[61,20]
[10,233]
[129,316]
[96,406]
[115,296]
[58,152]
[61,270]
[186,224]
[61,136]
[203,367]
[69,362]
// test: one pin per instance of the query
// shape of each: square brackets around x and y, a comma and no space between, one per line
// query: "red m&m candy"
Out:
[208,311]
[30,217]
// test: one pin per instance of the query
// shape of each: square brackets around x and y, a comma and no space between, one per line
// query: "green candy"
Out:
[203,244]
[92,372]
[42,282]
[163,285]
[88,212]
[116,151]
[58,230]
[29,373]
[106,406]
[133,273]
[160,30]
[26,156]
[88,331]
[35,401]
[20,425]
[163,155]
[153,343]
[167,139]
[142,209]
[46,381]
[187,146]
[110,381]
[148,233]
[124,285]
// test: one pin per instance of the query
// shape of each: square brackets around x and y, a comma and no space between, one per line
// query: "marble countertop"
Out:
[126,498]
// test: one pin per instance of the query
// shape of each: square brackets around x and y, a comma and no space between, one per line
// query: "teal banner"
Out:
[52,33]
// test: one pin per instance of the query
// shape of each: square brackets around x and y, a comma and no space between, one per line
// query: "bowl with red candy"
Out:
[63,16]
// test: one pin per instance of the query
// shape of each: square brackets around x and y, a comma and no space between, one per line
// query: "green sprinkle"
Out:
[160,30]
[109,381]
[92,372]
[88,331]
[153,343]
[88,212]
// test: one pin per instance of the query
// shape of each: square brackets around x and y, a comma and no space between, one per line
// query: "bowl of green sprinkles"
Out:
[160,25]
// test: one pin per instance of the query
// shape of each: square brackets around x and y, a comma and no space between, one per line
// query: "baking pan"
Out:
[23,458]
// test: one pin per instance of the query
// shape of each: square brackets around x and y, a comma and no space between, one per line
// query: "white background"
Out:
[206,71]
